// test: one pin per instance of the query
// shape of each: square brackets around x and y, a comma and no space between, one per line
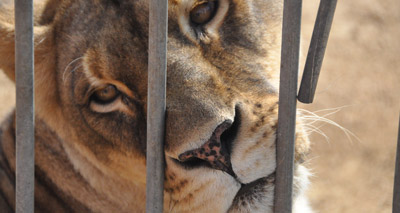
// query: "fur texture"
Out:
[90,149]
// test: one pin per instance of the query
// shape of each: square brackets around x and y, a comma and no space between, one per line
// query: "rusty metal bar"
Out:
[25,120]
[287,105]
[156,104]
[316,51]
[396,187]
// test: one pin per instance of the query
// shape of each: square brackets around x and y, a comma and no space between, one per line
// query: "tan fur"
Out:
[90,156]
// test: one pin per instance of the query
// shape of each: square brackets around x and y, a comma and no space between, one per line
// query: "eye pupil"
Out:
[203,13]
[106,95]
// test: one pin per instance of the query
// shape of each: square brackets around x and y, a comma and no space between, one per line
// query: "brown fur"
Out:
[87,160]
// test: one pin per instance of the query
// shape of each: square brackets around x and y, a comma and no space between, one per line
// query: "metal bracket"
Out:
[316,51]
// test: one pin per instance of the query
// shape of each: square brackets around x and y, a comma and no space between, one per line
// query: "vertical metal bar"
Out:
[316,51]
[287,105]
[25,130]
[396,187]
[156,104]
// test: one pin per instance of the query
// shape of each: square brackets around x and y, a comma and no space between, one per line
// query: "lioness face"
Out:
[222,97]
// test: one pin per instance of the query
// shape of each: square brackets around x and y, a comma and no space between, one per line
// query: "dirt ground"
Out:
[361,77]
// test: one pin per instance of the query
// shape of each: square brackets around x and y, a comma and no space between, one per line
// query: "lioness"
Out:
[91,92]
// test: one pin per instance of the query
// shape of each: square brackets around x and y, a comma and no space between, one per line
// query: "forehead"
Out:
[120,27]
[93,14]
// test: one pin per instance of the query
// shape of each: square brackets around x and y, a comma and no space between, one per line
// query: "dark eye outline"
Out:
[119,100]
[96,95]
[212,5]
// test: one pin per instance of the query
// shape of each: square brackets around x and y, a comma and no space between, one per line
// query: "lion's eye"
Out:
[108,99]
[203,13]
[106,95]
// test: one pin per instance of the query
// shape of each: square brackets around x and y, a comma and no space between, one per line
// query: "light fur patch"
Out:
[258,148]
[106,180]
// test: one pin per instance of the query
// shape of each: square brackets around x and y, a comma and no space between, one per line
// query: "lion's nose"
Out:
[216,151]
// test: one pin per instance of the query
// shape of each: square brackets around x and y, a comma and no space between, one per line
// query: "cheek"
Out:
[117,129]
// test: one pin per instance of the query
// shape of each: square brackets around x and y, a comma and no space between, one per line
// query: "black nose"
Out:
[214,152]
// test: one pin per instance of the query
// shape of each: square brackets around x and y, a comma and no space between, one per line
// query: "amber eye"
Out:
[106,95]
[203,13]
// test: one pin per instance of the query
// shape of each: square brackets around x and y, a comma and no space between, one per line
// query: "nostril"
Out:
[228,136]
[215,153]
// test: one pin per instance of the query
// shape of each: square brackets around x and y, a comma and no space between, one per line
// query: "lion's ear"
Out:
[43,39]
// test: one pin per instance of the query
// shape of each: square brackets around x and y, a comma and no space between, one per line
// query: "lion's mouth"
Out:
[254,190]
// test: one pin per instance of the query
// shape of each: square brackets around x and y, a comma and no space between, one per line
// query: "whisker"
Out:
[68,65]
[312,117]
[330,109]
[73,70]
[316,130]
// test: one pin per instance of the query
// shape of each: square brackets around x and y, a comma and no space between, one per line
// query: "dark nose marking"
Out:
[213,152]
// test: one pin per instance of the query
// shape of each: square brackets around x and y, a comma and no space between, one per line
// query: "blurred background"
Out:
[360,84]
[358,89]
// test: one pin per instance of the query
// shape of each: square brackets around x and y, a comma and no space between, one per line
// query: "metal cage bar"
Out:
[396,187]
[316,51]
[156,105]
[25,120]
[287,105]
